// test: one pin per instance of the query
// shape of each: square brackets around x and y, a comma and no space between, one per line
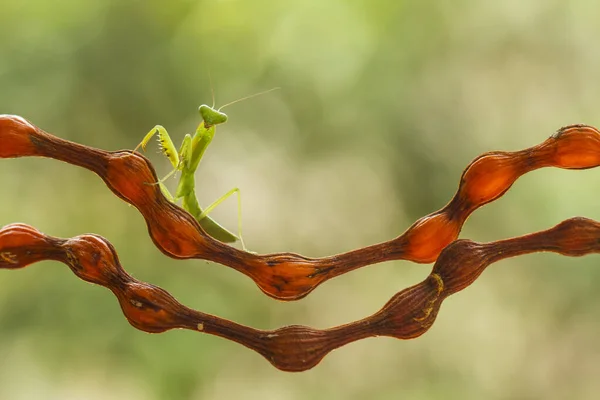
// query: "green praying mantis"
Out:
[187,160]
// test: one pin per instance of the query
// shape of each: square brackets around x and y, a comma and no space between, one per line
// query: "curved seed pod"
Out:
[288,276]
[408,314]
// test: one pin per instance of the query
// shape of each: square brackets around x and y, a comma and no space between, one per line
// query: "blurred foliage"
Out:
[383,104]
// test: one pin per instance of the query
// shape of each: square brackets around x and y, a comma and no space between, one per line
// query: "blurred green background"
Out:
[383,104]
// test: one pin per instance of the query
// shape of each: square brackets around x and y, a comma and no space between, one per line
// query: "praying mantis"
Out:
[187,160]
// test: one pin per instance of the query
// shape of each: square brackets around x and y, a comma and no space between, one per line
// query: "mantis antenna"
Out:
[212,92]
[212,89]
[248,97]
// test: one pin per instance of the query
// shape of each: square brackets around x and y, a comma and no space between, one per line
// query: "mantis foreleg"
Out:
[166,144]
[168,149]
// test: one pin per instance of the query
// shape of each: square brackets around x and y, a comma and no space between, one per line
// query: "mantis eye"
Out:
[211,116]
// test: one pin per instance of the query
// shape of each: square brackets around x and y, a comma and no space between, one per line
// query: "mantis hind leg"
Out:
[210,226]
[222,199]
[165,191]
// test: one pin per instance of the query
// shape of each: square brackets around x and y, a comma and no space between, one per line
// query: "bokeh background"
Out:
[382,105]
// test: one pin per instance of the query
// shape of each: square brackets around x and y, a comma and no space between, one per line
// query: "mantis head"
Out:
[211,116]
